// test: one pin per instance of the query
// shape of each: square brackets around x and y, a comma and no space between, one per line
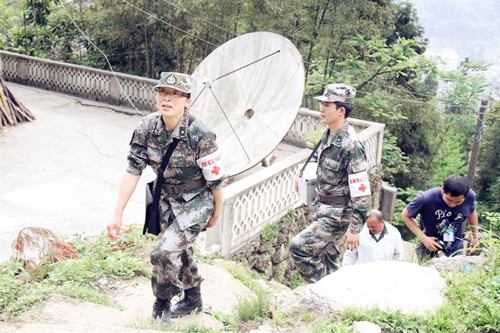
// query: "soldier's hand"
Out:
[113,228]
[296,184]
[351,240]
[213,219]
[210,223]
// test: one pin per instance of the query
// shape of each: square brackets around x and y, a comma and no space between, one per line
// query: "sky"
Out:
[457,29]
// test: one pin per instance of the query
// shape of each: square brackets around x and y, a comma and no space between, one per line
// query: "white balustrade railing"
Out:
[89,83]
[249,203]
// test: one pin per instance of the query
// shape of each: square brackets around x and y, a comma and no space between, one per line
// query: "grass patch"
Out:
[246,276]
[253,308]
[100,259]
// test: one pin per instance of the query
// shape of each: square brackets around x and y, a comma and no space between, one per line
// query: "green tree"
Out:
[35,36]
[449,157]
[406,25]
[405,105]
[464,87]
[8,21]
[394,161]
[487,183]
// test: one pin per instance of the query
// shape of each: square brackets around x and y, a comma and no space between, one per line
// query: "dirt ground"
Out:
[220,292]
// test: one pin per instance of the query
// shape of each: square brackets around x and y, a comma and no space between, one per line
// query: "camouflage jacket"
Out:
[149,144]
[338,158]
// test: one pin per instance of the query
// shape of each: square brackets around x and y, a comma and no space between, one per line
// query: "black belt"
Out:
[331,199]
[175,189]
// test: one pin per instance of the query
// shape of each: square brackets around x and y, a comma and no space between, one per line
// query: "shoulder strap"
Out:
[161,170]
[171,149]
[164,163]
[311,155]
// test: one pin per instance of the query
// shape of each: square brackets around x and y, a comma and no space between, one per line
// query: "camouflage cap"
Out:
[338,92]
[178,81]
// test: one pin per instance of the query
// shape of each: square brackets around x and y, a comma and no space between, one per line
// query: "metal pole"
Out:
[475,144]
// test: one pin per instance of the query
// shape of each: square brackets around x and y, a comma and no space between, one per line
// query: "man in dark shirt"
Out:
[442,213]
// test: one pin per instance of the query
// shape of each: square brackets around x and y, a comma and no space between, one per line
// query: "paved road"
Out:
[63,170]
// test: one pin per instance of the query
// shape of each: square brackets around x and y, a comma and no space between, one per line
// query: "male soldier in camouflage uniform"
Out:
[191,196]
[342,199]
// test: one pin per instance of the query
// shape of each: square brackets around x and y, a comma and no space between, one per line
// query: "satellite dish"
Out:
[248,91]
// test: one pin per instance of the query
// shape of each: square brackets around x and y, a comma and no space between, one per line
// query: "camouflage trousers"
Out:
[174,267]
[316,250]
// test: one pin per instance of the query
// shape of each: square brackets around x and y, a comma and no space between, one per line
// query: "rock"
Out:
[263,264]
[388,285]
[456,264]
[221,290]
[262,329]
[265,247]
[279,255]
[252,247]
[303,299]
[365,327]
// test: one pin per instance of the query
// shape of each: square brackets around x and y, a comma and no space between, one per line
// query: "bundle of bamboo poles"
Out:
[12,111]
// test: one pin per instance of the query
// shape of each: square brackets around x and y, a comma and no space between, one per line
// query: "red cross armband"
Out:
[211,166]
[359,184]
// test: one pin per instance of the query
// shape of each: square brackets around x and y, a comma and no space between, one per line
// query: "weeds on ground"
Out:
[87,277]
[328,327]
[389,321]
[245,275]
[192,328]
[250,309]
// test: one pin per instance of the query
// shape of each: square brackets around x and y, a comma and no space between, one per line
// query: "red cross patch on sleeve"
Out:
[359,184]
[211,166]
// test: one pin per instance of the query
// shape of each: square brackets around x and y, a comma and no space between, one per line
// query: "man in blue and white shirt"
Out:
[442,214]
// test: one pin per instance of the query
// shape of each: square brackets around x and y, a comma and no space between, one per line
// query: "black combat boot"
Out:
[161,310]
[191,303]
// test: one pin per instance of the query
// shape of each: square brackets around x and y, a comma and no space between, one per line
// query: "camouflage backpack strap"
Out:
[191,119]
[312,154]
[152,224]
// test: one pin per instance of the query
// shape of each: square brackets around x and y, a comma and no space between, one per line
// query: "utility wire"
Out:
[105,57]
[169,24]
[201,18]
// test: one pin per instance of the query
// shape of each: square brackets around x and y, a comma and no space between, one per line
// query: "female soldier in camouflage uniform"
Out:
[191,196]
[342,198]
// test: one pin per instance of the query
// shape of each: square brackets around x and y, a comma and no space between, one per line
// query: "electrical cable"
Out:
[169,24]
[201,18]
[105,57]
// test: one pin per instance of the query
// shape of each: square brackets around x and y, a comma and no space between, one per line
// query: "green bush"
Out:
[492,221]
[405,196]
